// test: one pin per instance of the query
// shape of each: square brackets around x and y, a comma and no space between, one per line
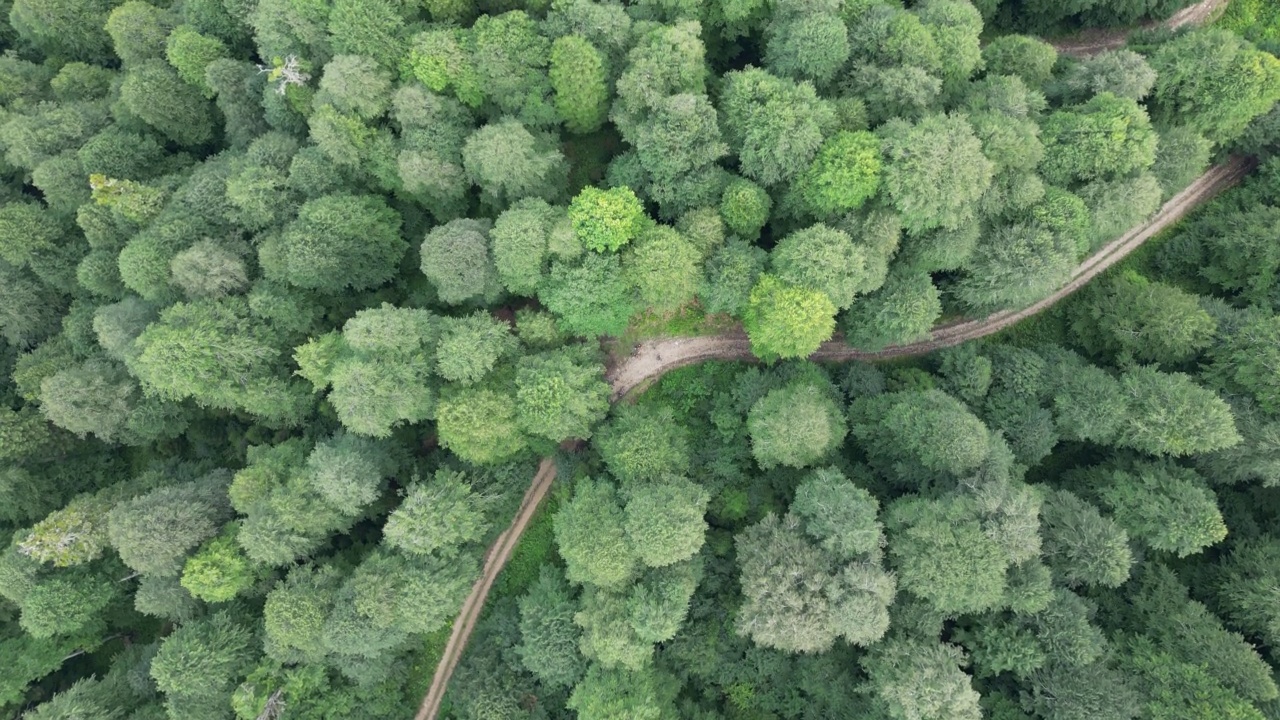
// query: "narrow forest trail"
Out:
[495,559]
[1092,42]
[650,360]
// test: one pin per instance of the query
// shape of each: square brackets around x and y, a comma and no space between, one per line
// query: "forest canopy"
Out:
[294,294]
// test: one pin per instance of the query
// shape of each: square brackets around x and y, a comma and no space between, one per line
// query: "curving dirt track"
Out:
[652,359]
[1092,42]
[494,560]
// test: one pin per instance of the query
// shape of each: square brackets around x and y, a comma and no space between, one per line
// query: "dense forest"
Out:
[294,294]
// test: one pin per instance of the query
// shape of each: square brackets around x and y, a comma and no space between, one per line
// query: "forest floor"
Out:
[1092,42]
[651,359]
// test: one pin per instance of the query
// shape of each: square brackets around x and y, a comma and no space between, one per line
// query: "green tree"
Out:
[925,429]
[199,665]
[643,443]
[64,28]
[795,597]
[1167,507]
[844,175]
[138,31]
[438,516]
[824,259]
[337,242]
[560,395]
[455,258]
[589,298]
[520,238]
[1020,265]
[619,693]
[745,208]
[811,46]
[374,29]
[577,74]
[1124,73]
[934,171]
[153,92]
[662,266]
[479,424]
[154,532]
[944,556]
[509,163]
[921,679]
[1127,314]
[797,426]
[379,368]
[1081,545]
[590,536]
[1105,138]
[1215,82]
[902,311]
[664,521]
[838,514]
[190,53]
[349,471]
[1029,58]
[471,346]
[219,570]
[605,220]
[1243,355]
[548,636]
[216,353]
[775,126]
[730,274]
[1169,414]
[784,321]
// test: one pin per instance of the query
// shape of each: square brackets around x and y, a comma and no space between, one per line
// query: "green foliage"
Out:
[1165,506]
[153,532]
[470,347]
[664,520]
[1081,545]
[590,536]
[549,638]
[922,679]
[775,126]
[796,426]
[438,516]
[745,208]
[643,443]
[902,311]
[200,664]
[784,321]
[219,570]
[605,220]
[663,268]
[943,555]
[509,163]
[934,171]
[1029,58]
[337,242]
[190,52]
[730,274]
[558,396]
[1169,414]
[479,425]
[1214,82]
[824,259]
[519,238]
[455,258]
[577,74]
[844,175]
[589,298]
[153,91]
[138,30]
[1107,137]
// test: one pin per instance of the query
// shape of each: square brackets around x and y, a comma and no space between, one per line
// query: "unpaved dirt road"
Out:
[1092,42]
[653,358]
[494,560]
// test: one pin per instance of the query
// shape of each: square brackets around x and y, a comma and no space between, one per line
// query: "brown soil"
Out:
[1092,42]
